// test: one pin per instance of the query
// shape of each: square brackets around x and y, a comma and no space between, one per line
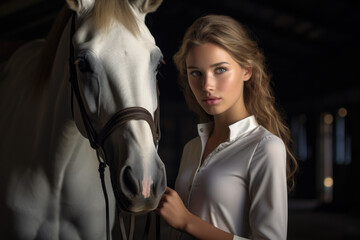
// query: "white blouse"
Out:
[241,186]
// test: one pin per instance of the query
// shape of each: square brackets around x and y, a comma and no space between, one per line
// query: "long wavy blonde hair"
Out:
[259,100]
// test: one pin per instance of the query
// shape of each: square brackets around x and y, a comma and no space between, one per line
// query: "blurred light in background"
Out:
[342,139]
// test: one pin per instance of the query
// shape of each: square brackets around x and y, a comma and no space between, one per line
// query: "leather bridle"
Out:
[118,119]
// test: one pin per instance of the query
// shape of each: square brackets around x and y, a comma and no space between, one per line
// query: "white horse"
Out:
[49,182]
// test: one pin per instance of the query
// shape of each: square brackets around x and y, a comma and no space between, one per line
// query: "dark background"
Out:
[312,52]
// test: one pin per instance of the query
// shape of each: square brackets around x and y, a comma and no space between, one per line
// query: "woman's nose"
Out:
[208,83]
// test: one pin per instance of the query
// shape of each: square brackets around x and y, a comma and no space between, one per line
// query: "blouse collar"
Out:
[236,129]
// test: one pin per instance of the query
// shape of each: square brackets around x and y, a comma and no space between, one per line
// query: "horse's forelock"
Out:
[106,11]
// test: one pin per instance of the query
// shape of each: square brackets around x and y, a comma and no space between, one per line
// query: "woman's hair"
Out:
[229,34]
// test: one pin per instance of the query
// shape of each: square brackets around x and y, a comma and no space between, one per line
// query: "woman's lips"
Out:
[211,100]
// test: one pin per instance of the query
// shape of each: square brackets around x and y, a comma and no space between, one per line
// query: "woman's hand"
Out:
[172,210]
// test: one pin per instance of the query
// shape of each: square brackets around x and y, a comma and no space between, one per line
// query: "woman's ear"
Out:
[247,73]
[146,6]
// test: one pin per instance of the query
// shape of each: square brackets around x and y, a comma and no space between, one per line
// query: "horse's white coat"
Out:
[49,181]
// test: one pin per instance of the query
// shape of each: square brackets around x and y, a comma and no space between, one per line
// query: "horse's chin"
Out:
[138,206]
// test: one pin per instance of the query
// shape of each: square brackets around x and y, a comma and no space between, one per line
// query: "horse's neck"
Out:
[59,118]
[39,129]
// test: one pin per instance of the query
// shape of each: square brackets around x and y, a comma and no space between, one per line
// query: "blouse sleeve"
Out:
[268,190]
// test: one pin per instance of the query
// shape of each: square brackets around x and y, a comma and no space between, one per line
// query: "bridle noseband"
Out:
[121,117]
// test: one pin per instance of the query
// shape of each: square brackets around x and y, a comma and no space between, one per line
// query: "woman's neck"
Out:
[221,131]
[221,124]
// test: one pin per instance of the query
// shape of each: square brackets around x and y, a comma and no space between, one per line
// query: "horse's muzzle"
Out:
[140,190]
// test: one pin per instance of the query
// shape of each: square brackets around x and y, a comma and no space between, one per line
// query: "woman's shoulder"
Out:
[270,149]
[259,137]
[265,137]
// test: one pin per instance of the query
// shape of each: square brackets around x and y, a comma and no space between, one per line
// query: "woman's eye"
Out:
[220,70]
[195,73]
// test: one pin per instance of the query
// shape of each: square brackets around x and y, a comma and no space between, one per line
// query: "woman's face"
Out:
[217,81]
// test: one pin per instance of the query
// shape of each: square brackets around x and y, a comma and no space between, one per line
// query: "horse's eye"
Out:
[161,62]
[82,65]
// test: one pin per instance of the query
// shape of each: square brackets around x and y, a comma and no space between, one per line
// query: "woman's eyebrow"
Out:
[212,65]
[192,67]
[219,63]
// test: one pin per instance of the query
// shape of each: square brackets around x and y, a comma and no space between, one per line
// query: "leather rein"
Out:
[118,119]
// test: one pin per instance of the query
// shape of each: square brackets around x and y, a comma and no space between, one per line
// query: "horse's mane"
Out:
[49,50]
[104,12]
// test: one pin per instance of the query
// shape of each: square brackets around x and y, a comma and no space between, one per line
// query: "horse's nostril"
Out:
[129,182]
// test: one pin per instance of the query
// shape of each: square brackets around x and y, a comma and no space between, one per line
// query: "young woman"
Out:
[234,177]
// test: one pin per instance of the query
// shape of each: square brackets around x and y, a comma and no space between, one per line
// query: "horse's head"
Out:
[116,61]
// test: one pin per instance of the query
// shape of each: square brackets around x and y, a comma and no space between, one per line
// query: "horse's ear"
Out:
[80,6]
[146,6]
